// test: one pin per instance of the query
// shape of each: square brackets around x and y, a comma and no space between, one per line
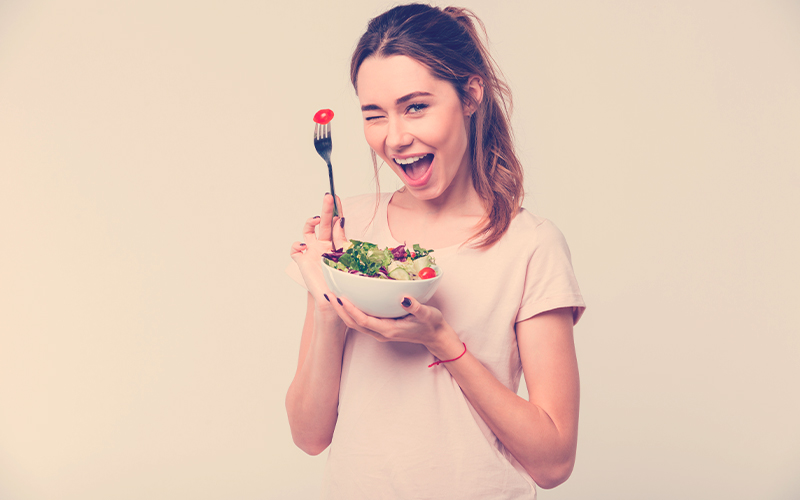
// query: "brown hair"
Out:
[447,42]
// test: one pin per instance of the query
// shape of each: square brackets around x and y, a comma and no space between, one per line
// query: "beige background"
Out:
[156,162]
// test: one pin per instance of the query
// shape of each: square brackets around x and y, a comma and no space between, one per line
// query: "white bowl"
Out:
[379,297]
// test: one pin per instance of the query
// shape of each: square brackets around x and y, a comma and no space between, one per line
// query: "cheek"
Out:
[376,137]
[450,136]
[434,133]
[373,138]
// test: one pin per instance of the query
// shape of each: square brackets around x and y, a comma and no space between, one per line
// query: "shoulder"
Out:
[550,281]
[532,231]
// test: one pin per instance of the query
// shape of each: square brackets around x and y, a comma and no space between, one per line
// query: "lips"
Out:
[417,169]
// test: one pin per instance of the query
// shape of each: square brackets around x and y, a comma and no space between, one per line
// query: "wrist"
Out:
[328,322]
[447,345]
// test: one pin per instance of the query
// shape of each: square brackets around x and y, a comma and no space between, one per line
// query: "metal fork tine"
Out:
[324,145]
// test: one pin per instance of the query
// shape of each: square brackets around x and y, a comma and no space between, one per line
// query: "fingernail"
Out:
[341,222]
[326,297]
[316,216]
[406,302]
[339,301]
[302,244]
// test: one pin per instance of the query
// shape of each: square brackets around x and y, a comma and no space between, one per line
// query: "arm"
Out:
[540,433]
[313,396]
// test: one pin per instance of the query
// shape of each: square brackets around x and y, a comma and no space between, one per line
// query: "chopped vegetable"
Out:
[426,273]
[399,263]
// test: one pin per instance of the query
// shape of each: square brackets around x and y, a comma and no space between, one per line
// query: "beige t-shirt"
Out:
[407,431]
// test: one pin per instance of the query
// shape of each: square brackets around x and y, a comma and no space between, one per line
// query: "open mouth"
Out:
[415,167]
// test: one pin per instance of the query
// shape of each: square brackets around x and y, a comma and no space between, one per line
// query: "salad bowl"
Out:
[379,297]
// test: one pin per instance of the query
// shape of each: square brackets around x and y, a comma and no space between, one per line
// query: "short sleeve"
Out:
[550,281]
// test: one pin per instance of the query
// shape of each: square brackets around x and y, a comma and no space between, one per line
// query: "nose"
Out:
[398,136]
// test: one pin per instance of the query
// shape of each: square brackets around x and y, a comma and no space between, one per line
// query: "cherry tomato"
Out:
[426,273]
[323,116]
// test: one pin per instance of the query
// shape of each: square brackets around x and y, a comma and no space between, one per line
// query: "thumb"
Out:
[411,305]
[338,236]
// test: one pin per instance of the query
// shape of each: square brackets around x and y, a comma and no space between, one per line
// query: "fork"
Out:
[324,145]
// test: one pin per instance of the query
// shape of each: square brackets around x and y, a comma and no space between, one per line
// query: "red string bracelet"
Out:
[449,360]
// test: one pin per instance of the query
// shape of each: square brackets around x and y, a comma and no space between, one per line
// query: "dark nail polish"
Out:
[341,222]
[406,302]
[339,301]
[316,216]
[302,244]
[326,297]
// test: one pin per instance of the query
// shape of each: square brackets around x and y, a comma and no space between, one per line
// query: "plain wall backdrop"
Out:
[156,163]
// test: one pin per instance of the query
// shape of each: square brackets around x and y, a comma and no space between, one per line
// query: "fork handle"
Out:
[333,192]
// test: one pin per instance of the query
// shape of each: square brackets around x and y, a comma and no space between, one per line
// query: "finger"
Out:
[339,207]
[355,318]
[327,218]
[413,306]
[337,305]
[339,238]
[297,249]
[309,228]
[364,322]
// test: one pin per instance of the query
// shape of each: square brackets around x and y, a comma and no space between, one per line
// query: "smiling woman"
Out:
[426,406]
[423,134]
[450,49]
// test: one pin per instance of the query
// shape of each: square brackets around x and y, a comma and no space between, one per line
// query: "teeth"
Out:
[409,161]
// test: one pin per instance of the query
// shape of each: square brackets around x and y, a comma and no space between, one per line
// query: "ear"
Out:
[474,90]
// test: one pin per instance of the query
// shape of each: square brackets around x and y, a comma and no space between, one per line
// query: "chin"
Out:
[426,193]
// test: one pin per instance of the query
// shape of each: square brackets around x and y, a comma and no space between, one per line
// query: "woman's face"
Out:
[416,123]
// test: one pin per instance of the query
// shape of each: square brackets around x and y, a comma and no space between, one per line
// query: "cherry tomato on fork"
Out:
[323,116]
[426,273]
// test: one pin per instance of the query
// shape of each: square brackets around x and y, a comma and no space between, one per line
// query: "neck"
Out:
[458,200]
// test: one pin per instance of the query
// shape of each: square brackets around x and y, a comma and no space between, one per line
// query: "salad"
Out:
[398,263]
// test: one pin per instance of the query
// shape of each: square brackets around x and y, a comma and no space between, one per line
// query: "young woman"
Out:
[435,112]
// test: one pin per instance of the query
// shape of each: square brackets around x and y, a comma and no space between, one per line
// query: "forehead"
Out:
[388,78]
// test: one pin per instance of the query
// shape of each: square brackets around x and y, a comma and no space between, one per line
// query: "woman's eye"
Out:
[416,108]
[369,118]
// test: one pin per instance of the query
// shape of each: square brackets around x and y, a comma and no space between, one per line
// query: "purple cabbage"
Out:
[385,272]
[399,253]
[334,255]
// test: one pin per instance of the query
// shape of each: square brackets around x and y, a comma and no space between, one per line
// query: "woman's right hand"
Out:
[320,235]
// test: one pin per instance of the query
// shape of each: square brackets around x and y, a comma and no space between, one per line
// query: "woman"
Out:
[434,111]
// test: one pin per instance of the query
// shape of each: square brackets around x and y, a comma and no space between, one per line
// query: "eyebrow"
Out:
[405,98]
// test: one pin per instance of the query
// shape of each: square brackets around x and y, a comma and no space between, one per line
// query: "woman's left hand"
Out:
[423,325]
